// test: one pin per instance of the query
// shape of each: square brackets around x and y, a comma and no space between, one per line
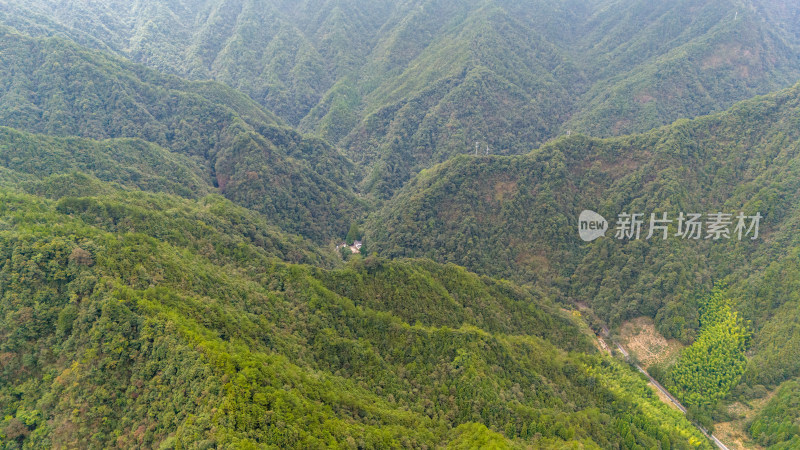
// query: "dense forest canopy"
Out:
[112,316]
[517,218]
[402,85]
[177,179]
[57,88]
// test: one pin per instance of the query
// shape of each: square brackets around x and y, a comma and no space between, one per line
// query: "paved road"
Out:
[669,396]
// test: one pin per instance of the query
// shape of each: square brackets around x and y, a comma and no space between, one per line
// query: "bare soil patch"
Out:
[639,337]
[734,433]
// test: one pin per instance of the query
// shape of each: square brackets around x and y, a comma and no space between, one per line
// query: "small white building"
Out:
[355,248]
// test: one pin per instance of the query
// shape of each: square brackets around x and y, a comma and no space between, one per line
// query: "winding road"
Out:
[663,390]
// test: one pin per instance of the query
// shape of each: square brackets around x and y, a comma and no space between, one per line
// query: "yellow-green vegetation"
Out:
[633,389]
[123,323]
[709,368]
[167,274]
[515,217]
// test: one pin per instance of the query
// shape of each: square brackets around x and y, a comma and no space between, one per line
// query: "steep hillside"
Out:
[516,217]
[119,329]
[211,225]
[657,62]
[776,425]
[402,86]
[134,163]
[167,273]
[54,87]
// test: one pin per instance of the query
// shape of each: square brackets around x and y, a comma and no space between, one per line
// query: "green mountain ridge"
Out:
[302,183]
[174,176]
[516,217]
[123,336]
[131,162]
[712,162]
[402,86]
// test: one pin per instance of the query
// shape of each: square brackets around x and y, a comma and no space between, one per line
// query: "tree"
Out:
[353,235]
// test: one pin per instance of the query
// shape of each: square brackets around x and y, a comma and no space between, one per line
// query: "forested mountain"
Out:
[775,426]
[134,163]
[516,217]
[176,176]
[124,324]
[53,86]
[403,85]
